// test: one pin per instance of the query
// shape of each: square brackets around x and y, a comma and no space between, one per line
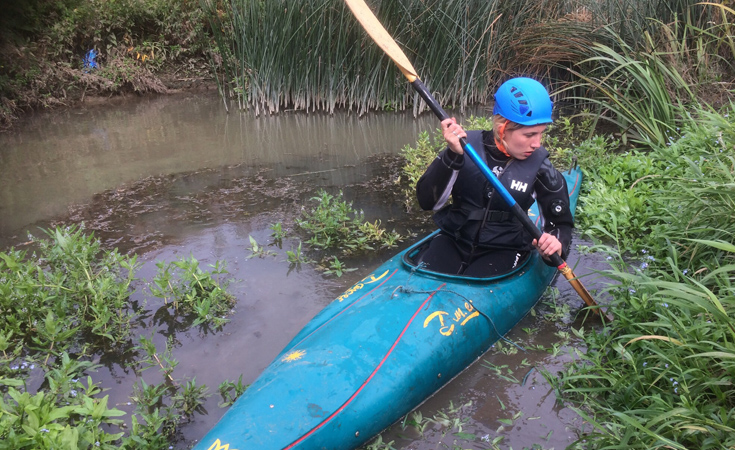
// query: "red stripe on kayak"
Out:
[348,307]
[400,336]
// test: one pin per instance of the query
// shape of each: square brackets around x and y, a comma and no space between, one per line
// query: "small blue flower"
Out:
[676,390]
[44,430]
[665,305]
[73,392]
[609,258]
[651,258]
[644,364]
[631,290]
[675,383]
[644,265]
[667,366]
[685,271]
[644,251]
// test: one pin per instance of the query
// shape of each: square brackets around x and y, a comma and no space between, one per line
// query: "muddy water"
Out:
[171,177]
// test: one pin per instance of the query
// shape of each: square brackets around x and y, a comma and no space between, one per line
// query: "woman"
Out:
[479,235]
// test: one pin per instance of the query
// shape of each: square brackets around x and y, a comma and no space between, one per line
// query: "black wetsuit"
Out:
[480,236]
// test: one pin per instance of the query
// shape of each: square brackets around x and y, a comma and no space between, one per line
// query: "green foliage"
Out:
[334,223]
[277,233]
[645,94]
[660,373]
[161,406]
[231,391]
[70,294]
[337,267]
[192,291]
[154,27]
[680,190]
[257,249]
[418,157]
[296,256]
[70,286]
[47,40]
[462,60]
[67,414]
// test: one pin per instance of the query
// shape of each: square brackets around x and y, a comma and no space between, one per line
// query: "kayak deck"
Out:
[376,352]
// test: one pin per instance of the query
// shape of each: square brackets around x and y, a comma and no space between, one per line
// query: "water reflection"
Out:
[56,159]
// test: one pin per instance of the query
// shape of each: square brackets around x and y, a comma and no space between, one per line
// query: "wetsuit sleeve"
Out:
[553,199]
[435,185]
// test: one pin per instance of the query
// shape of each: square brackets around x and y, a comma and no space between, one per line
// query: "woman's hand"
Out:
[547,245]
[452,132]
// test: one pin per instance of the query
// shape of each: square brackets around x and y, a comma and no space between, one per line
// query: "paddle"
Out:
[375,29]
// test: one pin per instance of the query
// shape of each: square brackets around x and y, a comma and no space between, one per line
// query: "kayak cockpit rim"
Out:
[413,251]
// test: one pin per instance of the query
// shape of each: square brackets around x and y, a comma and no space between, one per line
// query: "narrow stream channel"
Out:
[175,176]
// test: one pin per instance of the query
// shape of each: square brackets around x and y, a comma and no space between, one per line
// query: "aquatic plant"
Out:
[69,286]
[257,249]
[680,190]
[190,290]
[337,267]
[230,391]
[277,233]
[334,223]
[71,295]
[296,256]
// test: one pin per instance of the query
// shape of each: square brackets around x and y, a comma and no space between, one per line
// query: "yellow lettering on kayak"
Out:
[463,315]
[361,284]
[445,330]
[471,316]
[217,445]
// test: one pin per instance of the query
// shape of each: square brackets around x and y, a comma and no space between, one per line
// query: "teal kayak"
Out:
[379,350]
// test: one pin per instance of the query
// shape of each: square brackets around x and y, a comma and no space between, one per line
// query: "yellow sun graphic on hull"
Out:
[294,356]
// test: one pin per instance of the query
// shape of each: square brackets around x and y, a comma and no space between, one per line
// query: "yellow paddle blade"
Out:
[375,29]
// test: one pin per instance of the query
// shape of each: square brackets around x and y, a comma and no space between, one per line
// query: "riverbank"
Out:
[64,53]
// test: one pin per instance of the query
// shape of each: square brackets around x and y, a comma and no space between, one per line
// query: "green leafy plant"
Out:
[295,256]
[277,233]
[257,249]
[230,391]
[190,290]
[337,267]
[333,222]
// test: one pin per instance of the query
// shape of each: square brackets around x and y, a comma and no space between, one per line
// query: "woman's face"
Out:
[521,143]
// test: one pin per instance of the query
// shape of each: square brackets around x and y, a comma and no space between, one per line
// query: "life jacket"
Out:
[473,198]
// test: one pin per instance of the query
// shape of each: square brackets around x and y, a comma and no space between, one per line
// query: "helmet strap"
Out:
[500,140]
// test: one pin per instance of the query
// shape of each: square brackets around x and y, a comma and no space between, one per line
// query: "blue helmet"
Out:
[524,101]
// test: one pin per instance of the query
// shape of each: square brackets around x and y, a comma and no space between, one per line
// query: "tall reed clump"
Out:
[312,54]
[661,374]
[644,85]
